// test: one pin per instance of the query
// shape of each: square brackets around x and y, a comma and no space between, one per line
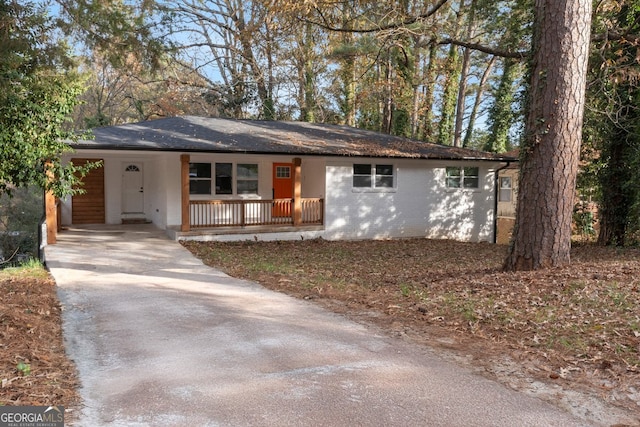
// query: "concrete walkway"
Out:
[162,340]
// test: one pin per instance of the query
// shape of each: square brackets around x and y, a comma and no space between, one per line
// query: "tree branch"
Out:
[412,20]
[485,49]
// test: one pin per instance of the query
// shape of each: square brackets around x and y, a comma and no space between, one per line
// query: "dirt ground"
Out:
[34,369]
[568,335]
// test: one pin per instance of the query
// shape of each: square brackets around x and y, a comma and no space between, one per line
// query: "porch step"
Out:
[126,221]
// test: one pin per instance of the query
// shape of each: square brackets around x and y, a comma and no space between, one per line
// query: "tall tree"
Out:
[501,114]
[133,93]
[464,75]
[468,138]
[37,95]
[430,73]
[553,129]
[613,120]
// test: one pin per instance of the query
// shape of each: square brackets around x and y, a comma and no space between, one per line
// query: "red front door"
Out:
[282,188]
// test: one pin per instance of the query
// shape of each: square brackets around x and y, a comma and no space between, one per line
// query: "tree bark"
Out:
[542,235]
[476,105]
[430,76]
[501,115]
[464,74]
[462,97]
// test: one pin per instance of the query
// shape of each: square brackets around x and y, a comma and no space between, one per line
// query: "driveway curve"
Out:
[159,339]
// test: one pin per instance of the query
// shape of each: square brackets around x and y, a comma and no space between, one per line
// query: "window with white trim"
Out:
[505,189]
[224,178]
[247,178]
[203,176]
[366,175]
[462,177]
[199,178]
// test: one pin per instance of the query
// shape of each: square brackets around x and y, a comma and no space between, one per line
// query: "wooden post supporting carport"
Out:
[51,213]
[50,210]
[184,178]
[297,191]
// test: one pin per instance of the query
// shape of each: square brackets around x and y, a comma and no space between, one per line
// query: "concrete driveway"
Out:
[159,339]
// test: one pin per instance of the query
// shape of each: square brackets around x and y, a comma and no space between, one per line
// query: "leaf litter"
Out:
[570,335]
[34,368]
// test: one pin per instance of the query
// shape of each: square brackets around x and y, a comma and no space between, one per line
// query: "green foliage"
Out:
[119,29]
[29,269]
[19,219]
[584,220]
[501,114]
[401,125]
[450,97]
[611,144]
[24,368]
[37,94]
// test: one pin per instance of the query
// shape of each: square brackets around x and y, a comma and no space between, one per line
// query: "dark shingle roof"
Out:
[201,134]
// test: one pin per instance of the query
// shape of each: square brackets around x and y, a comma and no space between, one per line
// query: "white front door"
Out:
[132,188]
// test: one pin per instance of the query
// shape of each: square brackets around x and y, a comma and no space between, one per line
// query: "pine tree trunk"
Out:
[542,235]
[501,114]
[429,91]
[449,98]
[464,74]
[476,105]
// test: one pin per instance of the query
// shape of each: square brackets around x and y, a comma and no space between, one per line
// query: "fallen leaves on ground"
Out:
[34,369]
[579,325]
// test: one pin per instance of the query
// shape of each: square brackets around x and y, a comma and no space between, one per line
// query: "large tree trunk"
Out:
[542,235]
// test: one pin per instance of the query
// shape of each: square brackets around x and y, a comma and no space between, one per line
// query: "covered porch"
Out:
[221,216]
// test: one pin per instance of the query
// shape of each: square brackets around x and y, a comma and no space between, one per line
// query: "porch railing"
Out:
[240,213]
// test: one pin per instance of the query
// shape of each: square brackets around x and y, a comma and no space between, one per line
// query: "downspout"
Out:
[496,189]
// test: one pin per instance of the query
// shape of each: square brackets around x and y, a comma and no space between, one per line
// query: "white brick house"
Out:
[209,178]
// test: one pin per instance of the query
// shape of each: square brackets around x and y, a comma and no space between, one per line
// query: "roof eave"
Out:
[281,153]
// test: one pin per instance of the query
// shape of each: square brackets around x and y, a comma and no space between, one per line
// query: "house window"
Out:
[199,178]
[465,177]
[505,189]
[372,176]
[247,178]
[224,178]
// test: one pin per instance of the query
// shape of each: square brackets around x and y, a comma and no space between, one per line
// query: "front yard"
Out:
[548,333]
[34,369]
[575,328]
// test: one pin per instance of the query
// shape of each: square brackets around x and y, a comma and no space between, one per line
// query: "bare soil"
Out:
[34,369]
[568,335]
